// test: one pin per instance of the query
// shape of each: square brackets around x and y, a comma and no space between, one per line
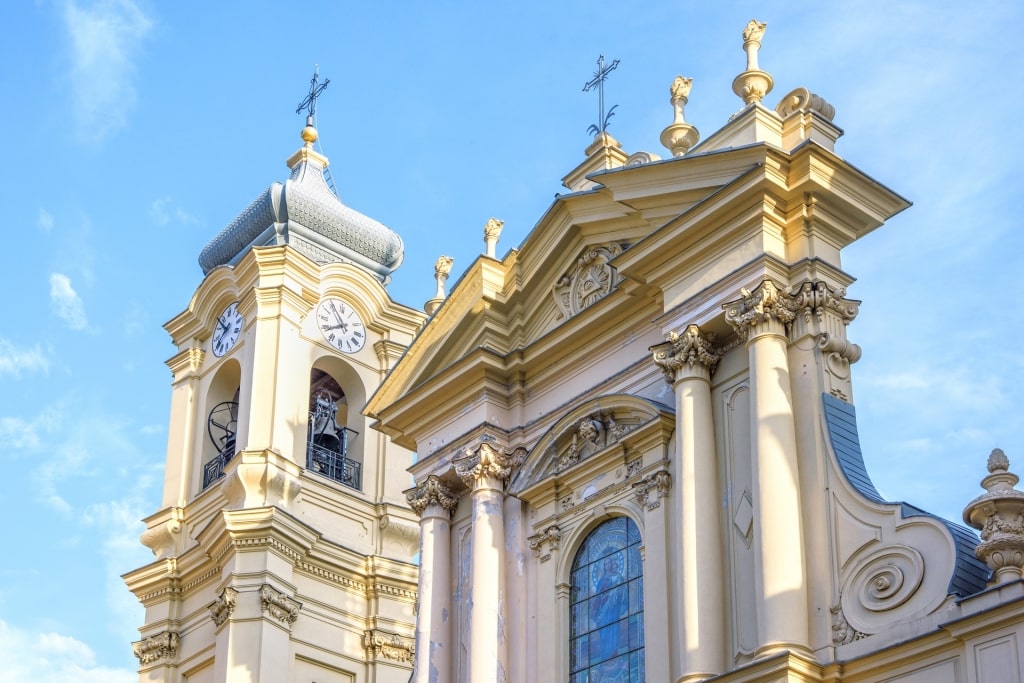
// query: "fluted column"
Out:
[688,360]
[434,503]
[485,472]
[761,318]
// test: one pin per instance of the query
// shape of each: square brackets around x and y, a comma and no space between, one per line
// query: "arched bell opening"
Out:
[221,422]
[333,436]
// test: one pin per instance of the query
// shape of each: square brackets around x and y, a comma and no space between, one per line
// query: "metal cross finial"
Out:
[598,80]
[309,104]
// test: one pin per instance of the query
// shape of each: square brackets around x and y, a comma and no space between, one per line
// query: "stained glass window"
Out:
[607,607]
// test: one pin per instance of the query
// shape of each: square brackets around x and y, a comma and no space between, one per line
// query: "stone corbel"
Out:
[659,482]
[278,605]
[159,648]
[551,536]
[381,644]
[223,606]
[400,533]
[163,538]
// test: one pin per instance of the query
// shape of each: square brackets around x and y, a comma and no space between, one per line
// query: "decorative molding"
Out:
[382,644]
[692,353]
[802,99]
[551,536]
[431,491]
[633,467]
[476,467]
[223,606]
[754,310]
[278,605]
[162,647]
[589,281]
[816,298]
[660,482]
[842,632]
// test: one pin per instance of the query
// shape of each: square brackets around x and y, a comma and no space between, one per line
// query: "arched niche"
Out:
[336,429]
[219,422]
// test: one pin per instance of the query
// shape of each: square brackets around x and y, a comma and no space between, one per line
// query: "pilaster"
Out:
[434,503]
[761,317]
[688,360]
[659,636]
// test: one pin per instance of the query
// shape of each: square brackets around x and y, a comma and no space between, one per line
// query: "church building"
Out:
[633,442]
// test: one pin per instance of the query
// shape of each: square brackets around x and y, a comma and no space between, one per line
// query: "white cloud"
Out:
[18,434]
[164,210]
[15,361]
[66,303]
[48,657]
[45,220]
[105,40]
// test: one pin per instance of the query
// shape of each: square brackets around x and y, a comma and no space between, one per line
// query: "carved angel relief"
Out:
[589,281]
[588,436]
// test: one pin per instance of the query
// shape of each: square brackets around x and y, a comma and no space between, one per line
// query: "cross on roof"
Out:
[309,104]
[600,76]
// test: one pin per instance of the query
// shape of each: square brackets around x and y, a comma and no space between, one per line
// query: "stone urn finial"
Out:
[492,231]
[999,514]
[753,84]
[442,268]
[679,136]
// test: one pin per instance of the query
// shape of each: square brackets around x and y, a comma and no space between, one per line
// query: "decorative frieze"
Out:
[381,644]
[431,491]
[659,483]
[999,514]
[223,606]
[278,605]
[691,352]
[550,536]
[590,280]
[162,647]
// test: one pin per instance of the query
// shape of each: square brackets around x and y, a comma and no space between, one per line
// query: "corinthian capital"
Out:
[766,309]
[432,491]
[689,354]
[816,299]
[488,464]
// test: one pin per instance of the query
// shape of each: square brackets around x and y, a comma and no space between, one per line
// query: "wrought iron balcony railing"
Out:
[332,462]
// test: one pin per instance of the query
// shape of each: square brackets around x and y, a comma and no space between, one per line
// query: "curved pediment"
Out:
[588,429]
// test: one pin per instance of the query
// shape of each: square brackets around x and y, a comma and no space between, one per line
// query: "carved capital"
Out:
[162,647]
[432,491]
[767,309]
[660,482]
[278,605]
[493,228]
[223,606]
[382,644]
[551,536]
[690,354]
[487,466]
[815,300]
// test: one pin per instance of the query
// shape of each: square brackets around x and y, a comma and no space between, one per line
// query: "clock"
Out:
[229,326]
[340,325]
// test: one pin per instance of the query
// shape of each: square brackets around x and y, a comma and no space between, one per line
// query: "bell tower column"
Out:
[434,503]
[485,473]
[688,360]
[780,574]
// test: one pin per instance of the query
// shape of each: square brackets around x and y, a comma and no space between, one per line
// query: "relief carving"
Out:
[278,605]
[551,536]
[589,281]
[223,606]
[659,482]
[162,647]
[588,436]
[431,491]
[388,645]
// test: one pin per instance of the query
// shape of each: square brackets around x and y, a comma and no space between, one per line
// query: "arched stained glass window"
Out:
[606,606]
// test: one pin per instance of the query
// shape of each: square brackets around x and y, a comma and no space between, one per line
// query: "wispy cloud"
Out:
[14,361]
[45,220]
[66,303]
[106,37]
[164,210]
[47,657]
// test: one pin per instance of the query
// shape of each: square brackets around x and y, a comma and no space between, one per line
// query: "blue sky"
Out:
[136,130]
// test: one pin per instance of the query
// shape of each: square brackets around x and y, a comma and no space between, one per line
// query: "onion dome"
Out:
[306,214]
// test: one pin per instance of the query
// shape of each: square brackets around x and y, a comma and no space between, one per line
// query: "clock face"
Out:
[340,325]
[229,326]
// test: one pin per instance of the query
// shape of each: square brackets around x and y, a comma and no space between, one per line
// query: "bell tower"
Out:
[283,543]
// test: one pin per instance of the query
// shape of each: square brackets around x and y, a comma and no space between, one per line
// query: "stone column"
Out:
[688,360]
[485,472]
[434,503]
[780,573]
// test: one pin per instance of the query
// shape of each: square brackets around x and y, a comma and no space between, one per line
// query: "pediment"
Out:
[585,432]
